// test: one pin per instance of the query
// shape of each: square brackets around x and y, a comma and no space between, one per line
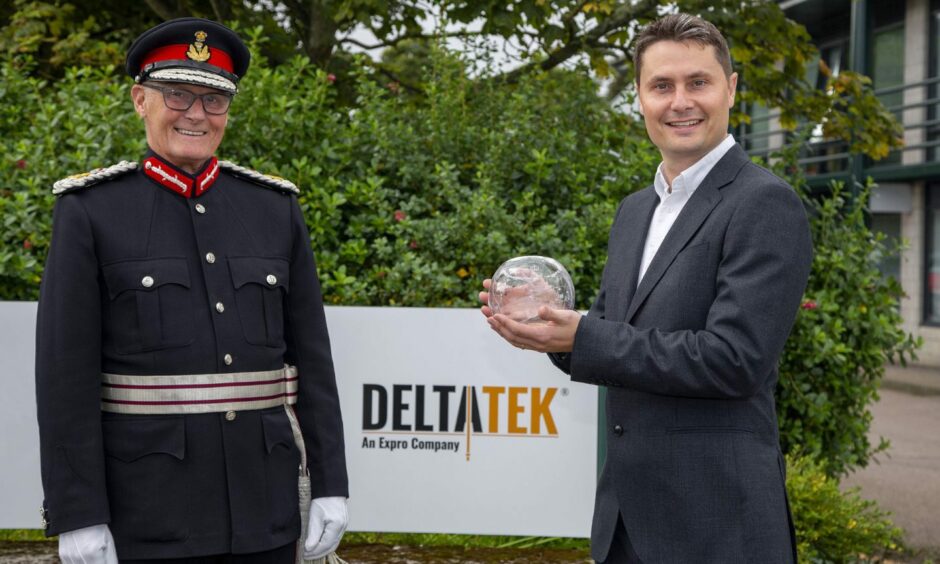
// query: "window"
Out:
[890,225]
[755,136]
[932,261]
[887,71]
[933,110]
[834,55]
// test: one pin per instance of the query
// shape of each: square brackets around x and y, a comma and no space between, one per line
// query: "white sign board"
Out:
[409,381]
[20,485]
[527,465]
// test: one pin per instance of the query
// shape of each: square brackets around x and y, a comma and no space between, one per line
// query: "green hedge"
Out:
[410,201]
[413,199]
[848,326]
[833,526]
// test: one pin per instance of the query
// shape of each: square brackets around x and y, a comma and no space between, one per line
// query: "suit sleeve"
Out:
[765,263]
[68,375]
[308,348]
[563,360]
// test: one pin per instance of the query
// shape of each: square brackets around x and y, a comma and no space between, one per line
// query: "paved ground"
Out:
[906,479]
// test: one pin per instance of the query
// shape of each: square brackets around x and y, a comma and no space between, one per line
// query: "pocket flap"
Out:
[145,274]
[131,439]
[268,272]
[277,430]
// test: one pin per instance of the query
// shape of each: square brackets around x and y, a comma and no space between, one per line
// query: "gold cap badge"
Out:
[198,50]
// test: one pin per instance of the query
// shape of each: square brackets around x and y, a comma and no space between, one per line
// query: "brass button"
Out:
[200,208]
[230,416]
[147,281]
[220,307]
[227,359]
[272,279]
[210,258]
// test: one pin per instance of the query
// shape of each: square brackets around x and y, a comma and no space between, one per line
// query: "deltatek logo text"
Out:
[434,417]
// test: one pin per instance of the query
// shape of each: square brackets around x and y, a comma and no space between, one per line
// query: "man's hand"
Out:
[91,545]
[556,335]
[328,520]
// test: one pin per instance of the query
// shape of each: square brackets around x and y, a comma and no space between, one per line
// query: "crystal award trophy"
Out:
[524,284]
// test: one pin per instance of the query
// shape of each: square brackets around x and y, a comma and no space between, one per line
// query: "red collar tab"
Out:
[208,177]
[167,176]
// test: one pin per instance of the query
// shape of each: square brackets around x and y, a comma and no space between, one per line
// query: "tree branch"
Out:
[612,47]
[574,11]
[383,70]
[396,40]
[621,18]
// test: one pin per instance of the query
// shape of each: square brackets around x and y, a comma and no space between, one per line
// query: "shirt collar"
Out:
[176,180]
[690,179]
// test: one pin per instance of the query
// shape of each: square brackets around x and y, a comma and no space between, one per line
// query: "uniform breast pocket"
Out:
[150,306]
[261,285]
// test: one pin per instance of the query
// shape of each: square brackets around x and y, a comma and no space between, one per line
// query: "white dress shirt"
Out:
[673,198]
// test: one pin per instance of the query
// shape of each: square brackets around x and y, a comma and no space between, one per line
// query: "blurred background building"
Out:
[897,44]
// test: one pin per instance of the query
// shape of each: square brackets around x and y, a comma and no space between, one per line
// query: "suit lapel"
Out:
[693,214]
[637,224]
[632,235]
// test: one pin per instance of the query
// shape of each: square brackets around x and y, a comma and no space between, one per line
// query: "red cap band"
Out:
[217,56]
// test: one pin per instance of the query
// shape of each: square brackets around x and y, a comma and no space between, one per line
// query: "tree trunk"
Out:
[222,10]
[321,32]
[166,9]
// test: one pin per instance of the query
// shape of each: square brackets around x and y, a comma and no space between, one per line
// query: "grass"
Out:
[465,541]
[22,535]
[407,539]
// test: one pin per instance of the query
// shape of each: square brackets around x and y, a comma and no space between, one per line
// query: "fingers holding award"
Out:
[524,284]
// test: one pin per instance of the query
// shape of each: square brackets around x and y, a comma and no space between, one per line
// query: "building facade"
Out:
[897,44]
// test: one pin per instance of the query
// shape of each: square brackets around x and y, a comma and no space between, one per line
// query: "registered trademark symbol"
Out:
[564,391]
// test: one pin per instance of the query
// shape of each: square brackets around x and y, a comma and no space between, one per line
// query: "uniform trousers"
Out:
[282,555]
[621,550]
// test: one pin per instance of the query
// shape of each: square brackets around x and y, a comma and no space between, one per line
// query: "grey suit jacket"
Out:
[690,360]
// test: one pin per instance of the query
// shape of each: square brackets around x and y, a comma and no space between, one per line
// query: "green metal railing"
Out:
[825,159]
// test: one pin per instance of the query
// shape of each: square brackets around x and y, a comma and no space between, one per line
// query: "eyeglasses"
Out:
[214,103]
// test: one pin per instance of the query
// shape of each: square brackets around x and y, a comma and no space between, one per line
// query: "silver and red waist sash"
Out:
[198,393]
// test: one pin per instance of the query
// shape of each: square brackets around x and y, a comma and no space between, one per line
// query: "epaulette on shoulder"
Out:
[266,180]
[96,176]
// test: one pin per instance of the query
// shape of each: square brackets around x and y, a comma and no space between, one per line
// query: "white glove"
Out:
[328,520]
[91,545]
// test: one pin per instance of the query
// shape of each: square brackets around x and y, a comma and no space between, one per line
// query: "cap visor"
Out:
[193,76]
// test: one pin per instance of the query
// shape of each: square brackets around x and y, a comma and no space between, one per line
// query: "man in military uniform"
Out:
[182,348]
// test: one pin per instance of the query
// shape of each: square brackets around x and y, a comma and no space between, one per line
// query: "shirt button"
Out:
[618,430]
[230,416]
[147,281]
[220,307]
[272,279]
[210,258]
[200,208]
[227,359]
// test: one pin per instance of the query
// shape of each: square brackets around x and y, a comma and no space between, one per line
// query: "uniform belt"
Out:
[198,393]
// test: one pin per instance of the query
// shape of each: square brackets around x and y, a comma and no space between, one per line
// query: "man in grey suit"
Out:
[704,276]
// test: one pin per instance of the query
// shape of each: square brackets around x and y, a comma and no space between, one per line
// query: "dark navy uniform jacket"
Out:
[181,485]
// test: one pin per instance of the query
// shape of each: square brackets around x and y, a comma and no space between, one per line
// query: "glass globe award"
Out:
[522,285]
